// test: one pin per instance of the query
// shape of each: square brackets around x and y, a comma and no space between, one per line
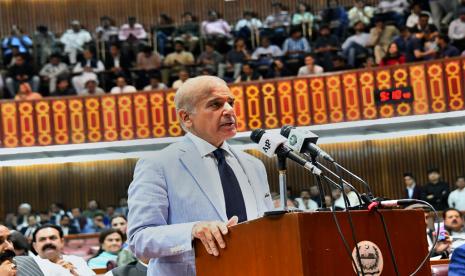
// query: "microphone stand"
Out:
[323,206]
[282,181]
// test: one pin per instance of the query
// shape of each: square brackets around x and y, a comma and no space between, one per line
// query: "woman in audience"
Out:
[119,222]
[125,256]
[111,241]
[393,56]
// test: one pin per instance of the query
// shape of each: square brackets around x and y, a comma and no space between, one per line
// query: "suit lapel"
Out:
[194,164]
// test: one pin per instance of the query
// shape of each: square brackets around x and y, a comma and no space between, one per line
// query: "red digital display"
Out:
[394,95]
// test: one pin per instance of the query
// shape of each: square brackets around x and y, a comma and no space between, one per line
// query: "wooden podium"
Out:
[309,244]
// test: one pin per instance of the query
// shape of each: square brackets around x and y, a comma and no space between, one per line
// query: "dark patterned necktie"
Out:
[233,198]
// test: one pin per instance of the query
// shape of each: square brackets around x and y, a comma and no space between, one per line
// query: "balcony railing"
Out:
[438,86]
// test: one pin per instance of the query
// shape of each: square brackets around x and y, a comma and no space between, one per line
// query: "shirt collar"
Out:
[204,147]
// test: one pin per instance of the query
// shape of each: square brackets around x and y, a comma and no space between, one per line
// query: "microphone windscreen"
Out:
[256,135]
[285,130]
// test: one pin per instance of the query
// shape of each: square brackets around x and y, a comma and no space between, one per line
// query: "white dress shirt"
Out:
[126,89]
[51,269]
[410,190]
[80,264]
[206,152]
[457,199]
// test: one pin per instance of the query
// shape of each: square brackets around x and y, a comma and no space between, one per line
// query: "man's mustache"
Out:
[49,246]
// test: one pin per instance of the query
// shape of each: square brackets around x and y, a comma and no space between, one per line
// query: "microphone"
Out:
[304,141]
[271,144]
[390,203]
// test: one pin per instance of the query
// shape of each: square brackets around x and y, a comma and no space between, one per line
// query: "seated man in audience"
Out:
[310,68]
[67,227]
[278,70]
[356,44]
[18,40]
[412,190]
[21,72]
[215,27]
[247,26]
[360,12]
[305,203]
[122,86]
[277,23]
[326,47]
[116,64]
[28,230]
[188,32]
[380,38]
[78,220]
[445,48]
[48,242]
[296,46]
[74,40]
[52,70]
[131,35]
[248,74]
[155,83]
[453,222]
[63,87]
[234,59]
[98,224]
[414,16]
[210,58]
[457,30]
[415,48]
[92,208]
[183,77]
[315,195]
[91,88]
[457,197]
[266,53]
[424,24]
[25,93]
[393,10]
[106,31]
[179,57]
[20,243]
[89,67]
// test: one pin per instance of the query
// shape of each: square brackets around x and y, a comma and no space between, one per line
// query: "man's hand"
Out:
[209,231]
[69,266]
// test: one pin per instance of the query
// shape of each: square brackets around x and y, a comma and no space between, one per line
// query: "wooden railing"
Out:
[331,98]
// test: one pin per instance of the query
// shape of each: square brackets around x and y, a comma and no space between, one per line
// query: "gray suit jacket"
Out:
[169,194]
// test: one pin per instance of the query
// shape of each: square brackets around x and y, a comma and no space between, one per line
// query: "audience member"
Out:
[355,44]
[188,32]
[135,268]
[296,46]
[248,73]
[326,47]
[48,242]
[380,38]
[155,83]
[63,87]
[235,58]
[20,243]
[412,190]
[443,11]
[122,86]
[335,16]
[28,230]
[402,39]
[89,67]
[74,40]
[303,19]
[436,190]
[210,58]
[91,87]
[16,39]
[106,32]
[453,222]
[393,56]
[215,26]
[179,58]
[393,10]
[248,26]
[277,23]
[21,72]
[457,30]
[305,203]
[116,64]
[97,225]
[360,12]
[266,53]
[110,241]
[67,227]
[56,212]
[445,49]
[52,70]
[457,197]
[310,68]
[131,34]
[315,195]
[424,24]
[183,76]
[78,220]
[25,93]
[92,209]
[338,200]
[163,31]
[278,70]
[123,206]
[44,45]
[416,50]
[414,17]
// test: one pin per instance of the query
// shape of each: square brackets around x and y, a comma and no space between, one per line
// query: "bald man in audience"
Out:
[197,187]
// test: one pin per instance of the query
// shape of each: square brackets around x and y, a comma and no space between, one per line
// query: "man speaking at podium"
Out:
[195,188]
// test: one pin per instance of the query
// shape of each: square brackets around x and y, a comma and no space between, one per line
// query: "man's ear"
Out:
[184,117]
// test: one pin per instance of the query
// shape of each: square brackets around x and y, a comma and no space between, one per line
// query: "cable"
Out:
[341,235]
[351,223]
[388,240]
[370,192]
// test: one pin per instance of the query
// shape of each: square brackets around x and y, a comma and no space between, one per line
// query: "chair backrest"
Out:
[439,267]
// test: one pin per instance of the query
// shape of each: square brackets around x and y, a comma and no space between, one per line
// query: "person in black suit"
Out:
[116,64]
[436,191]
[412,190]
